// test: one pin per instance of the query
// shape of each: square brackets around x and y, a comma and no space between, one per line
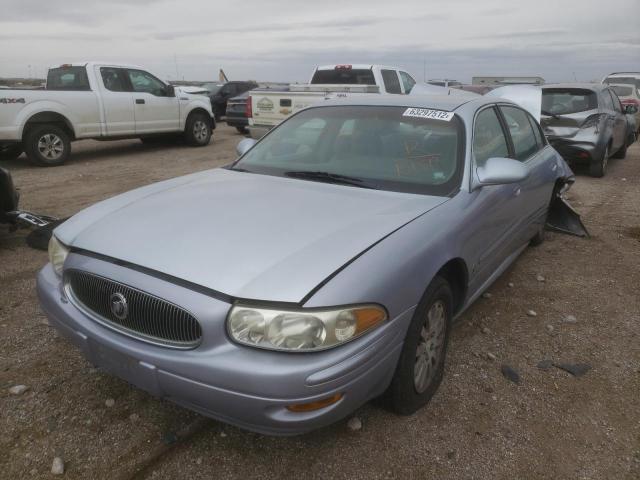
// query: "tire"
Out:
[11,151]
[409,391]
[47,145]
[197,131]
[242,130]
[599,167]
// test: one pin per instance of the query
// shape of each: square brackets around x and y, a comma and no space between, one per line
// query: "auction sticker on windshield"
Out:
[428,113]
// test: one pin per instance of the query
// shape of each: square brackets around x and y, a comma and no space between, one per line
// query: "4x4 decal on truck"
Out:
[11,100]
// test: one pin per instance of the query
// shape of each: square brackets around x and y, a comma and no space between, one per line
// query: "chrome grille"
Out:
[148,317]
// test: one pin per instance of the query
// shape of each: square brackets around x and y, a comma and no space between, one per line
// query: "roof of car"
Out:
[438,102]
[587,86]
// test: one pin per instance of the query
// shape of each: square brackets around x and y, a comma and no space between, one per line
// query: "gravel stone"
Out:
[510,285]
[510,374]
[486,295]
[354,424]
[57,467]
[486,330]
[540,278]
[109,402]
[570,319]
[550,328]
[18,389]
[491,356]
[134,417]
[532,313]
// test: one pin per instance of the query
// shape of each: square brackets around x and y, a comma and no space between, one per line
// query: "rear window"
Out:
[67,78]
[565,101]
[344,76]
[625,80]
[622,91]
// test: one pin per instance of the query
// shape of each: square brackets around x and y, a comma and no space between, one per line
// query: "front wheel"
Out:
[598,166]
[623,150]
[47,145]
[11,151]
[197,131]
[421,365]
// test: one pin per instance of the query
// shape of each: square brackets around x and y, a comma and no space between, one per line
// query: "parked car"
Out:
[268,109]
[629,95]
[228,90]
[341,249]
[628,78]
[586,123]
[236,114]
[99,101]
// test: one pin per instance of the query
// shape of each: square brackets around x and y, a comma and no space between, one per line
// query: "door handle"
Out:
[516,191]
[139,101]
[554,167]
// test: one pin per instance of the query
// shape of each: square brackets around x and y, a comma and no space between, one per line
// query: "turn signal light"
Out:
[317,405]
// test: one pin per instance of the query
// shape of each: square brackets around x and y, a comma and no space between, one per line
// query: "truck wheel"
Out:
[598,166]
[11,151]
[47,145]
[197,131]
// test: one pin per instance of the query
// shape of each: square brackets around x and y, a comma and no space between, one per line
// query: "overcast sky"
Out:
[282,40]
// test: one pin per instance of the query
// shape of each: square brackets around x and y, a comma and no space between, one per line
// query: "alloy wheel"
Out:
[429,350]
[50,146]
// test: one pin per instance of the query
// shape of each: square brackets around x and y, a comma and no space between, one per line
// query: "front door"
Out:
[154,110]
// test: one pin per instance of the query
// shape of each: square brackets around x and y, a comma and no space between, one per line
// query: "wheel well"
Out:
[456,274]
[212,122]
[50,118]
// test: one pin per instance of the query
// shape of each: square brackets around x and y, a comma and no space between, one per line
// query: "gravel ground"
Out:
[479,425]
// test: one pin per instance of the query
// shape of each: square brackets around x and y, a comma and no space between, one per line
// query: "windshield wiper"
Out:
[328,177]
[549,114]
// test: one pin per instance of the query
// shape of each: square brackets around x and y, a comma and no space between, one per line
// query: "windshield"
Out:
[344,76]
[212,88]
[558,101]
[622,91]
[371,147]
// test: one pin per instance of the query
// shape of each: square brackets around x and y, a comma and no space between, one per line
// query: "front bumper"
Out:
[243,386]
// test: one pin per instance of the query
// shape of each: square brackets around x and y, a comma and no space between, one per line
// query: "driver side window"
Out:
[488,137]
[144,82]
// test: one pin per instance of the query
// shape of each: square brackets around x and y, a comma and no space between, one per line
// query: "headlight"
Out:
[302,330]
[57,254]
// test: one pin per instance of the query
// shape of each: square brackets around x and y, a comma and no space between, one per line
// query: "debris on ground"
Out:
[109,402]
[510,374]
[354,424]
[57,467]
[545,364]
[575,369]
[532,313]
[18,389]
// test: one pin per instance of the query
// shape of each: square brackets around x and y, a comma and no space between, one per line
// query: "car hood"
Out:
[246,235]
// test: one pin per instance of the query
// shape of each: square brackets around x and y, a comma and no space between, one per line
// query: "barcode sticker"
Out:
[428,113]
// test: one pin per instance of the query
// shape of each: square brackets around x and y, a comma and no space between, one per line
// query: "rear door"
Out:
[117,101]
[154,110]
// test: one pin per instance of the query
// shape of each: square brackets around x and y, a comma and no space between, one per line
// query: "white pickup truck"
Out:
[267,109]
[100,101]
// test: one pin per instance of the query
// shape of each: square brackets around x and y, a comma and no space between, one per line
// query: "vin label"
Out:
[428,113]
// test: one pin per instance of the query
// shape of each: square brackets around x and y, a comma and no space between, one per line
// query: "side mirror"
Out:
[500,171]
[244,146]
[171,91]
[630,109]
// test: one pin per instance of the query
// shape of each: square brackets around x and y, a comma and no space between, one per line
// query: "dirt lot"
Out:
[479,425]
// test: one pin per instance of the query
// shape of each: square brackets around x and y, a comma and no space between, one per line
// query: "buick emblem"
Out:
[119,306]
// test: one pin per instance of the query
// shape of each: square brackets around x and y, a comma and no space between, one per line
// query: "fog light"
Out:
[317,405]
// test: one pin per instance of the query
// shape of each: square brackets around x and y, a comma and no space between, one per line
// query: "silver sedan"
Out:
[322,269]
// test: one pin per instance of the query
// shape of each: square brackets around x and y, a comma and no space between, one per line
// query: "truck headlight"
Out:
[57,254]
[301,330]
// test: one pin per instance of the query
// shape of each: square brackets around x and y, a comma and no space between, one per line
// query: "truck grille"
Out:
[131,311]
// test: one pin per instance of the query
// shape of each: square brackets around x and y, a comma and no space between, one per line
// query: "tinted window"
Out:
[488,137]
[522,134]
[563,101]
[622,91]
[377,145]
[391,82]
[147,83]
[113,79]
[345,76]
[537,132]
[68,78]
[407,81]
